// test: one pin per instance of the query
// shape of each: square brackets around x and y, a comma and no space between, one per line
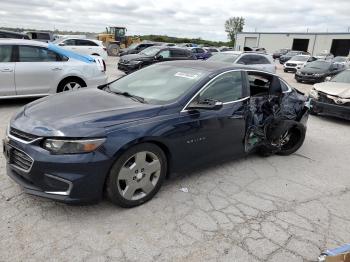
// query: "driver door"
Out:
[203,134]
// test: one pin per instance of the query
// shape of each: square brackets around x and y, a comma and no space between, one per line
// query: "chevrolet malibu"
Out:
[124,138]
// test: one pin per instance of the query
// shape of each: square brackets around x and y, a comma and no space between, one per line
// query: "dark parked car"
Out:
[126,138]
[332,98]
[151,55]
[290,54]
[200,53]
[136,48]
[317,71]
[14,35]
[280,52]
[40,36]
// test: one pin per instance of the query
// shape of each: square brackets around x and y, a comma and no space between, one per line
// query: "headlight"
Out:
[314,93]
[135,62]
[76,146]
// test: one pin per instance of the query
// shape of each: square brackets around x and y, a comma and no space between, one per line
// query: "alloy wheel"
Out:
[70,86]
[139,175]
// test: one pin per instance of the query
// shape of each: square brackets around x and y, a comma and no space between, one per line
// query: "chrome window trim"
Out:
[61,193]
[206,85]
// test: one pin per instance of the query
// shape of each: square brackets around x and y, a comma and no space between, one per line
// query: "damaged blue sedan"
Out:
[124,138]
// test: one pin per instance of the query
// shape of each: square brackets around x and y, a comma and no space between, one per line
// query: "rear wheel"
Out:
[291,140]
[70,84]
[137,175]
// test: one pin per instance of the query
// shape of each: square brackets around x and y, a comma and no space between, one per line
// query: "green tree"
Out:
[233,26]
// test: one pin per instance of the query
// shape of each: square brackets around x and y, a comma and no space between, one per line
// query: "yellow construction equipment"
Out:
[115,38]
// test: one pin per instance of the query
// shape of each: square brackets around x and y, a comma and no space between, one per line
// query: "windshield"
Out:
[222,57]
[343,77]
[300,58]
[339,59]
[319,65]
[134,45]
[159,84]
[150,51]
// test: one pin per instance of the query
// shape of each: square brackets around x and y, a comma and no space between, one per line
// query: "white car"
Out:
[342,60]
[297,62]
[258,60]
[83,46]
[34,69]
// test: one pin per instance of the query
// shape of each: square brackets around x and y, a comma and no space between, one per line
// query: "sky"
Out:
[181,18]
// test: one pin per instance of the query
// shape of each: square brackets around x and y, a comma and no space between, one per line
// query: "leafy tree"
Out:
[233,26]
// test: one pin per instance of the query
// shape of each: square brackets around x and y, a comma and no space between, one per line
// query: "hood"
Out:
[80,113]
[334,88]
[139,57]
[296,62]
[313,70]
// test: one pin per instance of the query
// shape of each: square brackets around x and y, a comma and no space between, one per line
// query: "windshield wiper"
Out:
[127,94]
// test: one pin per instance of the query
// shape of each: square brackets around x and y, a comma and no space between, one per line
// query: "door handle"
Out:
[6,70]
[56,69]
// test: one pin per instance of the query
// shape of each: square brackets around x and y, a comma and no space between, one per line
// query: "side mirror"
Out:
[158,57]
[328,78]
[61,44]
[207,104]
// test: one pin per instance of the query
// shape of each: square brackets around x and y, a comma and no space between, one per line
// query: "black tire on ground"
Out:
[63,83]
[296,140]
[113,182]
[113,50]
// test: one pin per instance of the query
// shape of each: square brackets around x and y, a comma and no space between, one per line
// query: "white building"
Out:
[335,43]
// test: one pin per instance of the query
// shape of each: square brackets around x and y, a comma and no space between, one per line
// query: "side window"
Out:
[81,42]
[179,53]
[200,50]
[36,54]
[225,88]
[69,42]
[5,53]
[259,84]
[164,53]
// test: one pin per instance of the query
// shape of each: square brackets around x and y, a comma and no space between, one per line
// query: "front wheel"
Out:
[137,175]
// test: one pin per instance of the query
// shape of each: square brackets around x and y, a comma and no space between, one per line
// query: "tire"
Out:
[295,141]
[128,183]
[70,84]
[285,70]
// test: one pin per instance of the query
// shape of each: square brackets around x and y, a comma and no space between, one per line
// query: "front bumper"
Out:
[75,178]
[97,81]
[323,108]
[127,68]
[309,78]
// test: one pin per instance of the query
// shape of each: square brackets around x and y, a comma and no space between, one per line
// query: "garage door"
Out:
[340,47]
[251,41]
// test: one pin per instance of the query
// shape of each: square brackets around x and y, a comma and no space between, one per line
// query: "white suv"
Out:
[297,62]
[33,69]
[83,46]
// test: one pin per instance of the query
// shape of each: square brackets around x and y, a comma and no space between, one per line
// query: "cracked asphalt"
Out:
[252,209]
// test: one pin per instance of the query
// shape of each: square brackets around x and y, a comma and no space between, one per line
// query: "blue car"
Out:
[126,137]
[200,53]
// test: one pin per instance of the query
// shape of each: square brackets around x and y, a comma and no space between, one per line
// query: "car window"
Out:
[36,54]
[69,42]
[284,86]
[5,53]
[200,50]
[179,53]
[82,42]
[164,53]
[253,60]
[225,88]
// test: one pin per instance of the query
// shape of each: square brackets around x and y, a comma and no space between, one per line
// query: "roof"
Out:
[295,33]
[10,41]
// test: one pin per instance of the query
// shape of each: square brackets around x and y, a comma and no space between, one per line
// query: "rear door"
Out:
[7,71]
[87,47]
[37,70]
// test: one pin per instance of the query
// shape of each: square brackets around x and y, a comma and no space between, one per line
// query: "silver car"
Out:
[33,69]
[257,60]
